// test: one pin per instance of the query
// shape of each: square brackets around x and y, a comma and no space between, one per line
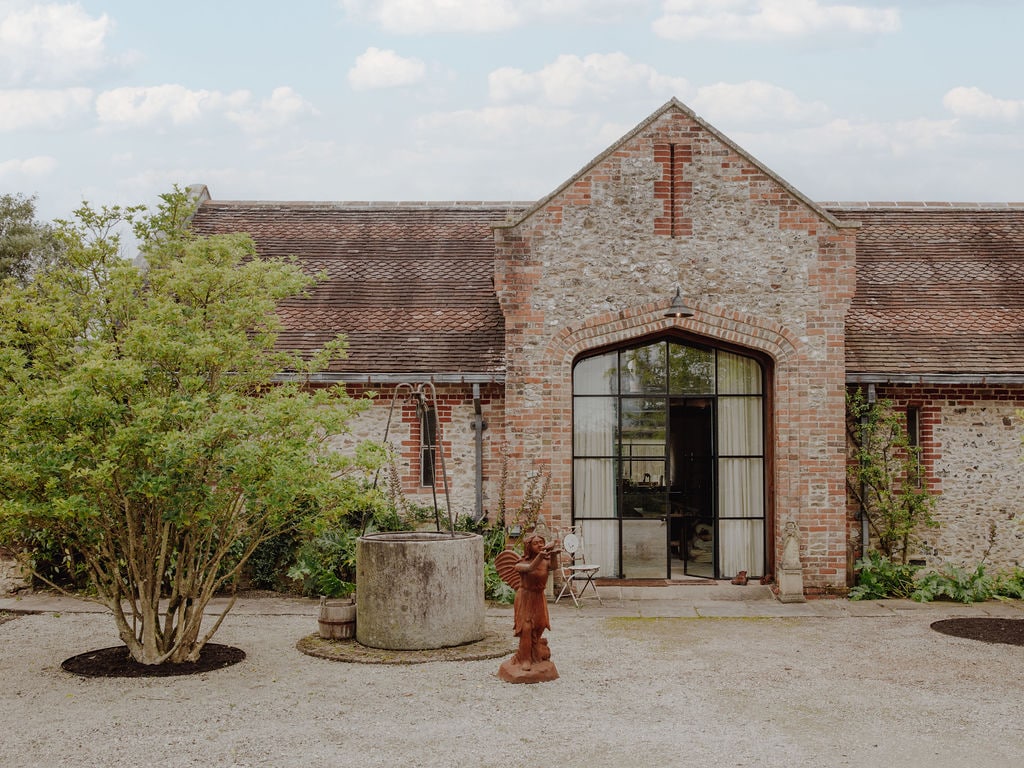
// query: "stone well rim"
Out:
[417,537]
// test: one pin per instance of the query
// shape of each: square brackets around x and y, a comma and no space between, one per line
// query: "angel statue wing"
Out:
[505,565]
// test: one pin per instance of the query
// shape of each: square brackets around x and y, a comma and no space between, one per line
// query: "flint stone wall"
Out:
[974,461]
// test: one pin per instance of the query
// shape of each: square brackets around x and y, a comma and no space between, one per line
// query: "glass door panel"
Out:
[594,487]
[601,539]
[643,548]
[691,371]
[643,369]
[741,547]
[595,425]
[741,487]
[597,375]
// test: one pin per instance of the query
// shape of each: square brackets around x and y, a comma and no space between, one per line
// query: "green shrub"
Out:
[271,560]
[326,564]
[1010,585]
[878,577]
[495,589]
[962,585]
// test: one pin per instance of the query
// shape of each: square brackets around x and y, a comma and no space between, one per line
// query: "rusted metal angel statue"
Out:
[528,576]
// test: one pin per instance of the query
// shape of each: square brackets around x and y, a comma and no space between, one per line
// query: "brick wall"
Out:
[455,411]
[596,264]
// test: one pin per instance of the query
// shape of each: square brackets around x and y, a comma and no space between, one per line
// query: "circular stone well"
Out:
[419,590]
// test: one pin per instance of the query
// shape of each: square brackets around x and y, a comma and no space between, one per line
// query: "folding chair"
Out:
[578,569]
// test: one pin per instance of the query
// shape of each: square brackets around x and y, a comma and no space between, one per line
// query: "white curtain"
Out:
[738,375]
[594,435]
[741,547]
[740,467]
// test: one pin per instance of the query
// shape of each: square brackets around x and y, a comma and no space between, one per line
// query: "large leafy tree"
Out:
[142,424]
[26,245]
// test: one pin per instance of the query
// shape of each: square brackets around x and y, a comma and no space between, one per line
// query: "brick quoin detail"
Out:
[673,190]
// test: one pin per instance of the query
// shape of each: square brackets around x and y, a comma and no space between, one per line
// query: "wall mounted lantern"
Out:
[678,307]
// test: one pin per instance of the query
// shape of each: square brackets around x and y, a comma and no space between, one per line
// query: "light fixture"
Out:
[678,307]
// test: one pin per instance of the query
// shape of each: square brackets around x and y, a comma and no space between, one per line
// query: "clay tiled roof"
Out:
[411,286]
[940,289]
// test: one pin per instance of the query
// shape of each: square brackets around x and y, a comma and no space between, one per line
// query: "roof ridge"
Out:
[918,205]
[373,204]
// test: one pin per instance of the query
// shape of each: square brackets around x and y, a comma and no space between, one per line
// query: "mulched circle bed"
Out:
[493,645]
[986,629]
[116,662]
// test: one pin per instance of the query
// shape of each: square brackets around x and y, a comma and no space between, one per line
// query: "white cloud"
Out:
[384,69]
[283,107]
[849,159]
[770,20]
[755,101]
[493,122]
[41,109]
[50,43]
[571,80]
[27,168]
[418,17]
[133,106]
[974,102]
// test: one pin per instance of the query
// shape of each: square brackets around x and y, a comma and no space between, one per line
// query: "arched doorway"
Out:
[669,460]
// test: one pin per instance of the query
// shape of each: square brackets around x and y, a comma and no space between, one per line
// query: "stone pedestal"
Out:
[791,575]
[540,672]
[791,585]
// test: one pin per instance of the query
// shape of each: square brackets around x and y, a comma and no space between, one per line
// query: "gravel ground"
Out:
[842,690]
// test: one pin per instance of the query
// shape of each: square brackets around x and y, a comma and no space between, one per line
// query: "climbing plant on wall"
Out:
[884,475]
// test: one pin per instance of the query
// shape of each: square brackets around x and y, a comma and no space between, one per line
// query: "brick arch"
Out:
[710,321]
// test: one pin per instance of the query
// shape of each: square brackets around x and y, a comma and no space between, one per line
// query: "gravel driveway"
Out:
[754,685]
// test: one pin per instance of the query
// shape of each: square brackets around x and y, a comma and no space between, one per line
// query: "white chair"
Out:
[577,569]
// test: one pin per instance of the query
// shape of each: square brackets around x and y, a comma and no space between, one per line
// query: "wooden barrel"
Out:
[337,619]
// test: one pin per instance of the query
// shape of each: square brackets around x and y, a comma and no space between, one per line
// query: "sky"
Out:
[115,101]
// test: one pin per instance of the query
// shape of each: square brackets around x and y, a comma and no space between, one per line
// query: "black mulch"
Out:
[986,629]
[117,662]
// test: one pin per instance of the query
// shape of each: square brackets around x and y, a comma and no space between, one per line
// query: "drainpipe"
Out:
[478,428]
[864,532]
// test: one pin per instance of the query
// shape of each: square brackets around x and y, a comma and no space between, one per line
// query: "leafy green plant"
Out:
[885,475]
[525,515]
[495,589]
[952,582]
[326,564]
[1010,584]
[271,559]
[878,577]
[493,534]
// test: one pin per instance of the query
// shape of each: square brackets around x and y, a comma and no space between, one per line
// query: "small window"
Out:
[914,442]
[428,445]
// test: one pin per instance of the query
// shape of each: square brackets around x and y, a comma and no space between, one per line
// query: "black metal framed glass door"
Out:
[668,460]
